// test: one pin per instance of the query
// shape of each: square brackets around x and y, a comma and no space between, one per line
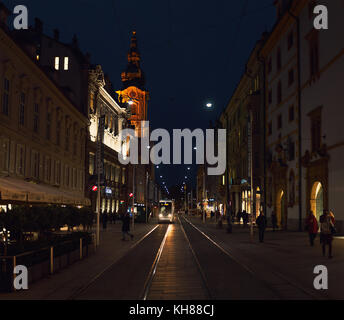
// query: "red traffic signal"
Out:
[131,195]
[94,188]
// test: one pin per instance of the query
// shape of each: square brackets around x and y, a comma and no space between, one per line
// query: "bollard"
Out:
[80,248]
[51,260]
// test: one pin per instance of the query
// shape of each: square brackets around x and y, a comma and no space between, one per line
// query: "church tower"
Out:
[133,93]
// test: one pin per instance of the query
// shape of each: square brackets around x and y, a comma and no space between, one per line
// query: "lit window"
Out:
[66,63]
[57,63]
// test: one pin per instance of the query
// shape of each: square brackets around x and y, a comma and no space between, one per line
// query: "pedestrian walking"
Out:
[312,227]
[245,218]
[126,226]
[274,221]
[327,230]
[104,220]
[261,223]
[239,216]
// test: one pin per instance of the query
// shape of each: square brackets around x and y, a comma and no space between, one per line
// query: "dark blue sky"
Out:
[192,51]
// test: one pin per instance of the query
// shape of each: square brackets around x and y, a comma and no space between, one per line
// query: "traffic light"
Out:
[94,188]
[131,195]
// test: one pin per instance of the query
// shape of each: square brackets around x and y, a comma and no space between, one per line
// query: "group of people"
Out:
[327,230]
[244,216]
[126,219]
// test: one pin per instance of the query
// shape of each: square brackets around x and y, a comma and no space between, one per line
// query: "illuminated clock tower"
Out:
[134,93]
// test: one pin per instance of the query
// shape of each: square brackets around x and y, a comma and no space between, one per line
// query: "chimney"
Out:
[56,34]
[4,13]
[38,25]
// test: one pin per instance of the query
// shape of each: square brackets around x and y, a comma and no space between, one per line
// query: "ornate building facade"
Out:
[114,176]
[322,61]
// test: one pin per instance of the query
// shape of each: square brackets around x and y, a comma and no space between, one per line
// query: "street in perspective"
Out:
[174,151]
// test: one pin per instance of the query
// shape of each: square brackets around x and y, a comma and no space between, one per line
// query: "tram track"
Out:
[284,281]
[120,270]
[152,274]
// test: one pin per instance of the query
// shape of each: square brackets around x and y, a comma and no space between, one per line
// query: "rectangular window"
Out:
[22,109]
[57,63]
[279,122]
[35,164]
[270,66]
[314,55]
[58,133]
[270,97]
[291,77]
[291,114]
[5,98]
[66,63]
[67,138]
[270,128]
[6,154]
[75,145]
[48,128]
[67,176]
[315,117]
[20,160]
[123,176]
[290,40]
[279,59]
[75,179]
[36,118]
[91,164]
[118,171]
[58,173]
[291,151]
[279,92]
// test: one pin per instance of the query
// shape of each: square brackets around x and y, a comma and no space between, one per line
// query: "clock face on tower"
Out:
[132,94]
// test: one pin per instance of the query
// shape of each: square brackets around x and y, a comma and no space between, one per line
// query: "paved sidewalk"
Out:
[284,254]
[64,284]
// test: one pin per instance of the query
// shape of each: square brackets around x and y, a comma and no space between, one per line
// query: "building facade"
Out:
[322,66]
[282,104]
[42,133]
[245,141]
[106,137]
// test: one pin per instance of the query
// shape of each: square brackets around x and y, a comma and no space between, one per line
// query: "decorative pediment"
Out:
[96,76]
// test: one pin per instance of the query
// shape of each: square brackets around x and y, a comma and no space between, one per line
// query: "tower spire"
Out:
[133,75]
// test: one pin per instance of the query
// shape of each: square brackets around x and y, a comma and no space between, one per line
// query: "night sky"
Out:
[192,51]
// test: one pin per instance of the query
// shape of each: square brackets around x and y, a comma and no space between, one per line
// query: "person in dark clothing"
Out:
[239,216]
[326,232]
[312,227]
[104,220]
[261,223]
[274,220]
[245,218]
[126,227]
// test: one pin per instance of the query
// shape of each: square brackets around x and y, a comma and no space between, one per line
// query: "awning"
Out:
[13,189]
